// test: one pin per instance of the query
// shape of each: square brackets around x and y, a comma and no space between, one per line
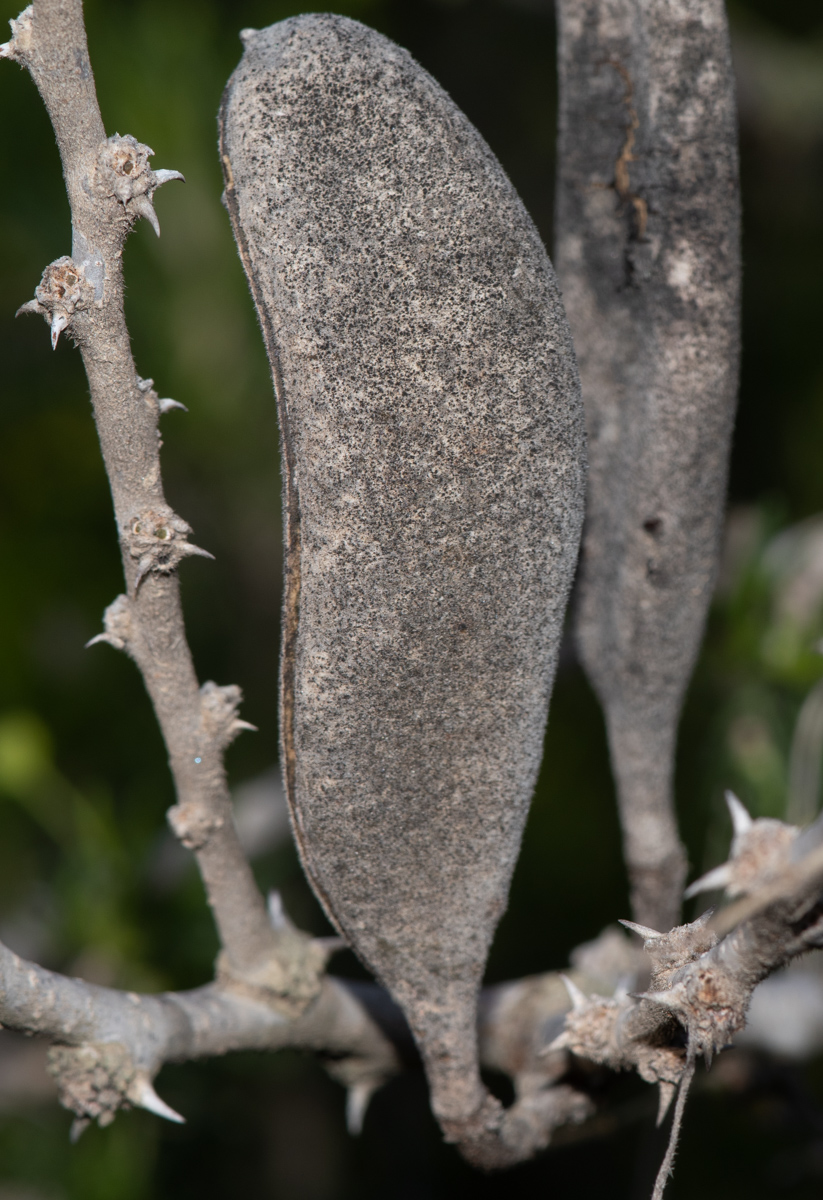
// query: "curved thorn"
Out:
[31,306]
[58,323]
[665,999]
[579,999]
[143,206]
[240,725]
[741,819]
[713,880]
[166,405]
[144,1096]
[667,1094]
[189,548]
[109,638]
[648,935]
[162,177]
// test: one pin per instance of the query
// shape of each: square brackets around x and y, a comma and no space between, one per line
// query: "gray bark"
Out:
[648,258]
[434,450]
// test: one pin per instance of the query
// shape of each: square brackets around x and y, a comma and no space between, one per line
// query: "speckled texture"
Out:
[434,448]
[648,227]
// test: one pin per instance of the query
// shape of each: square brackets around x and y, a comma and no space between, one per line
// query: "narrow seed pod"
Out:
[433,447]
[648,220]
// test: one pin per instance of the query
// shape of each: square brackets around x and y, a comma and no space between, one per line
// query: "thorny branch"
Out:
[270,990]
[110,184]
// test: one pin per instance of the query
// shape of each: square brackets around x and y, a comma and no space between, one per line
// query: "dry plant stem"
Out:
[647,254]
[52,45]
[357,1026]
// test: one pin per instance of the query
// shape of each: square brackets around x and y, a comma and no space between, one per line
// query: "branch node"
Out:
[218,709]
[116,625]
[62,291]
[93,1081]
[761,849]
[123,172]
[157,539]
[192,825]
[19,45]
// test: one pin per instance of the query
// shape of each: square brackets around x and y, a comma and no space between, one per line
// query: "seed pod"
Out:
[433,451]
[648,225]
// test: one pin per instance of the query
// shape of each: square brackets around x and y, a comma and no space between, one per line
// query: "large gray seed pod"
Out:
[433,441]
[648,230]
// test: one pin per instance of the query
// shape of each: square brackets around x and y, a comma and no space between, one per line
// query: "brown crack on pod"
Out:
[19,45]
[123,172]
[98,1078]
[62,291]
[116,625]
[158,540]
[761,850]
[219,707]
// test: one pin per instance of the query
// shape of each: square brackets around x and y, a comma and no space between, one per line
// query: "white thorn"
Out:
[561,1042]
[247,34]
[741,820]
[648,935]
[714,880]
[667,1094]
[330,945]
[58,323]
[143,206]
[144,1096]
[357,1101]
[109,638]
[665,999]
[162,177]
[579,999]
[240,725]
[145,385]
[190,548]
[167,405]
[5,50]
[31,306]
[277,914]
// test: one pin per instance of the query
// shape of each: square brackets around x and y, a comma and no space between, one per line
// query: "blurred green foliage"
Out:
[83,781]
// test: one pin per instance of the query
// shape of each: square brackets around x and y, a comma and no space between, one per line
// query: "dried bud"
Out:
[158,540]
[123,171]
[62,291]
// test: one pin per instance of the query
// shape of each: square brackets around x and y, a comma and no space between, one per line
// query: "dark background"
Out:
[83,782]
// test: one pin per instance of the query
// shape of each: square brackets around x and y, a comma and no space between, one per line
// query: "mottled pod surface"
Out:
[434,457]
[648,231]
